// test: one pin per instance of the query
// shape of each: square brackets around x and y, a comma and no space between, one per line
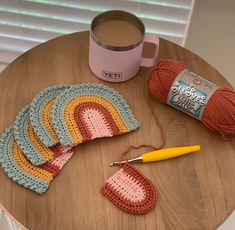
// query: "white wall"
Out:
[211,35]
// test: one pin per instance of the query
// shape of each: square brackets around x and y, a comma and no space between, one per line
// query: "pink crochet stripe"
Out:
[127,186]
[96,123]
[62,155]
[61,160]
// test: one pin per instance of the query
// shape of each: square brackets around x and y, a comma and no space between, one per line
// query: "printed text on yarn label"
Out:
[190,93]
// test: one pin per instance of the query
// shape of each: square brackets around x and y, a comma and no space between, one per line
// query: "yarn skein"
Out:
[219,113]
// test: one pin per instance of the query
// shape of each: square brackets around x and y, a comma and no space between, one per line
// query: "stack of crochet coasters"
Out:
[43,137]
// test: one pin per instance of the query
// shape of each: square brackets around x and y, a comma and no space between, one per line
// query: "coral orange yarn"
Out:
[219,113]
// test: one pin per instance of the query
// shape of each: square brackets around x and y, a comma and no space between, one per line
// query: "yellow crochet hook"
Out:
[161,154]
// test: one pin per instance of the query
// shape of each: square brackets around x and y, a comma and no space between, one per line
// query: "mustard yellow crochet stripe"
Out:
[24,164]
[47,120]
[71,123]
[44,151]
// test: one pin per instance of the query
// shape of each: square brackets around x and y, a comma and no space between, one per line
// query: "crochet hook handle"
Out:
[164,154]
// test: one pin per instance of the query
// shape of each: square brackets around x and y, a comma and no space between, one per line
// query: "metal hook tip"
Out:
[115,163]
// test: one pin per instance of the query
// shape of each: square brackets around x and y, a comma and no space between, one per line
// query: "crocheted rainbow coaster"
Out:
[40,114]
[88,111]
[30,144]
[130,190]
[20,170]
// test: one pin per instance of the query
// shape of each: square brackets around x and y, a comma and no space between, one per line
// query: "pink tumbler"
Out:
[118,62]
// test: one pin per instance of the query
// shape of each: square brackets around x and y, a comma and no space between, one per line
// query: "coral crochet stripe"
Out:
[90,100]
[130,190]
[94,117]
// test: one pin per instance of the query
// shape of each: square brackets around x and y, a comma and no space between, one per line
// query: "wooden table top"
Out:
[196,191]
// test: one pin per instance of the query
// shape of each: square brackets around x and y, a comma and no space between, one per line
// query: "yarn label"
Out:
[190,93]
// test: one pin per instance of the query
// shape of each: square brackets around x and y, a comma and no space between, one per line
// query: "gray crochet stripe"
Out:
[22,137]
[105,92]
[36,112]
[13,170]
[2,140]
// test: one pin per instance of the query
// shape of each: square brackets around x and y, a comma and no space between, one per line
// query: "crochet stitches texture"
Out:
[130,190]
[28,140]
[88,111]
[40,114]
[20,170]
[43,137]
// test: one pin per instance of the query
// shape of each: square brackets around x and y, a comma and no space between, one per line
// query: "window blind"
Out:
[27,23]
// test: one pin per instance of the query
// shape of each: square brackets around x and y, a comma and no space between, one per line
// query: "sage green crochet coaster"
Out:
[20,170]
[29,142]
[40,114]
[88,111]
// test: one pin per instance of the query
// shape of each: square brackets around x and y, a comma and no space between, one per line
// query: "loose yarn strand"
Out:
[162,135]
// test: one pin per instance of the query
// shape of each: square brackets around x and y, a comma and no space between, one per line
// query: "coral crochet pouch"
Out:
[88,111]
[130,190]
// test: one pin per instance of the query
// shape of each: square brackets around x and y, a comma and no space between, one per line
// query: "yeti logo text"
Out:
[112,75]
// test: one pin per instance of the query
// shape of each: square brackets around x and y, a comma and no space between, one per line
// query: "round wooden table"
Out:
[196,191]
